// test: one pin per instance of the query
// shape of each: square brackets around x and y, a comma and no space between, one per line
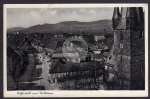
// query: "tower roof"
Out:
[122,21]
[135,13]
[116,13]
[140,16]
[131,12]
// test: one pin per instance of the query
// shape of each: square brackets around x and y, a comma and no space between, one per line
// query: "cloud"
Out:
[29,17]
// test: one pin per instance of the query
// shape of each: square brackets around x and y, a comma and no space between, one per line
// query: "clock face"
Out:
[75,48]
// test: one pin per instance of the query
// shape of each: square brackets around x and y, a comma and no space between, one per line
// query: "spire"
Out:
[140,17]
[116,14]
[122,20]
[131,12]
[116,17]
[131,18]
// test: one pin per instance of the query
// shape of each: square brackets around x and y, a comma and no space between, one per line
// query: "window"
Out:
[121,35]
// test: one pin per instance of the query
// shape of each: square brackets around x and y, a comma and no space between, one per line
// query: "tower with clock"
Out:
[129,60]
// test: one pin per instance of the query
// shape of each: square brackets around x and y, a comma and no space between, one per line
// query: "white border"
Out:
[99,93]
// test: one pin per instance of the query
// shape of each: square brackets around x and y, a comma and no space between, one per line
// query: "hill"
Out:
[68,26]
[14,29]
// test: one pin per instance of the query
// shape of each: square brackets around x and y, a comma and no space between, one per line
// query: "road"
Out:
[43,78]
[43,81]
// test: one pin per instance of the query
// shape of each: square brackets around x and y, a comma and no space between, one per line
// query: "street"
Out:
[44,67]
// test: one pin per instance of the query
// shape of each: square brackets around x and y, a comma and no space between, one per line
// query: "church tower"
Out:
[129,48]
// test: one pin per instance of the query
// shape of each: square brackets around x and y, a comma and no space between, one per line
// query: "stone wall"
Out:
[137,72]
[129,60]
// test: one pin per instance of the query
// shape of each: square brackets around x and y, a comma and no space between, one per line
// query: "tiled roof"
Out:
[57,67]
[74,67]
[51,43]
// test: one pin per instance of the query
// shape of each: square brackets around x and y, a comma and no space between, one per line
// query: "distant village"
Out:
[42,52]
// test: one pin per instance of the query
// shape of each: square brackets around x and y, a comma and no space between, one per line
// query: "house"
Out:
[62,70]
[58,54]
[65,55]
[59,68]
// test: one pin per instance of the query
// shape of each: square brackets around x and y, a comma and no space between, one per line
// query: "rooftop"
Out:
[74,67]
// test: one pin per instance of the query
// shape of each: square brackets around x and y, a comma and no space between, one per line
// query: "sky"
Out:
[26,17]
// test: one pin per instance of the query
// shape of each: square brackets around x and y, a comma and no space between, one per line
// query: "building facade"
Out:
[129,47]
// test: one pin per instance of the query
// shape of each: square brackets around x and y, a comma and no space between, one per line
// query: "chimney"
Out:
[116,17]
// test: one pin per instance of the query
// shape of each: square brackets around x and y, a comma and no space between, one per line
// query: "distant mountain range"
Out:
[14,29]
[67,26]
